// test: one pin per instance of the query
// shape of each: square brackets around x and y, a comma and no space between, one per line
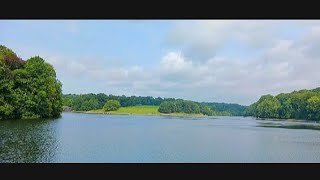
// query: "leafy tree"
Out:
[206,110]
[7,92]
[39,92]
[251,110]
[10,59]
[268,107]
[28,88]
[112,105]
[301,104]
[286,109]
[313,108]
[167,107]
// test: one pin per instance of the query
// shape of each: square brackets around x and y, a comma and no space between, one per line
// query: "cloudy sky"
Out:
[234,61]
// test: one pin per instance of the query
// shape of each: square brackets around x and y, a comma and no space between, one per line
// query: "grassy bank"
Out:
[142,110]
[148,110]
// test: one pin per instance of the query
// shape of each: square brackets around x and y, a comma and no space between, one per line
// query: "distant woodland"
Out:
[88,102]
[303,104]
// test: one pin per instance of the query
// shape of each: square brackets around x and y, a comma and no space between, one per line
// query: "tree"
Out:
[313,108]
[89,105]
[302,104]
[251,110]
[10,59]
[184,106]
[167,107]
[112,105]
[28,88]
[39,92]
[7,92]
[206,110]
[286,109]
[268,107]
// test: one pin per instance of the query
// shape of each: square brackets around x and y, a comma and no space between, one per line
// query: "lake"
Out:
[131,138]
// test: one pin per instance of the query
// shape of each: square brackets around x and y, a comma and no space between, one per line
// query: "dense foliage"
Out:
[184,106]
[111,105]
[303,104]
[29,89]
[87,102]
[234,109]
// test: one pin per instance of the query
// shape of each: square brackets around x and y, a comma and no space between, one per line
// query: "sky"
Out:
[232,61]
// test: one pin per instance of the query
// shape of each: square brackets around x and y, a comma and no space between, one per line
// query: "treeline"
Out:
[28,89]
[87,102]
[189,107]
[303,104]
[234,109]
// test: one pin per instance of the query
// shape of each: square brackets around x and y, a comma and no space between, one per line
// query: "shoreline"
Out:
[145,114]
[284,120]
[192,115]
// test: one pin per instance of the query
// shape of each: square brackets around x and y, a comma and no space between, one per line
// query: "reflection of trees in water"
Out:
[307,125]
[28,141]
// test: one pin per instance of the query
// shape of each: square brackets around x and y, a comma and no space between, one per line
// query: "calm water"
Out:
[116,138]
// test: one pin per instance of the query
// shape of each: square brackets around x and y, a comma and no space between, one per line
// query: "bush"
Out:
[111,105]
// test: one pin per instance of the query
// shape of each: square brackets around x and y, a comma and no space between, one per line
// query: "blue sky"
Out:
[208,60]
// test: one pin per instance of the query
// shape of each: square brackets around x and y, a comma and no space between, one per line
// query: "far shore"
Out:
[138,110]
[146,114]
[284,120]
[100,111]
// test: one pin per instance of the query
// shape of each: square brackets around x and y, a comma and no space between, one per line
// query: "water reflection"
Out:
[290,125]
[26,141]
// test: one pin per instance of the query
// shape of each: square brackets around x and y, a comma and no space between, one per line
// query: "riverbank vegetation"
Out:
[189,107]
[146,110]
[303,104]
[90,102]
[111,105]
[28,88]
[140,110]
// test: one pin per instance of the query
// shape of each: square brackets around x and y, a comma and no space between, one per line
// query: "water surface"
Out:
[129,138]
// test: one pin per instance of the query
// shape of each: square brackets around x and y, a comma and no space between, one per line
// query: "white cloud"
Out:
[203,39]
[174,62]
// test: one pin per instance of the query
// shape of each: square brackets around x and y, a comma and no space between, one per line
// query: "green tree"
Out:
[268,107]
[112,105]
[313,108]
[251,110]
[28,88]
[167,107]
[7,97]
[206,110]
[38,91]
[286,109]
[89,105]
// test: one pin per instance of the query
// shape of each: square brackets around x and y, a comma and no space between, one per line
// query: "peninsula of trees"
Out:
[303,104]
[29,89]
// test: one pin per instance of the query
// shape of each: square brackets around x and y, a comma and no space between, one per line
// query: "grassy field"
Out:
[145,110]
